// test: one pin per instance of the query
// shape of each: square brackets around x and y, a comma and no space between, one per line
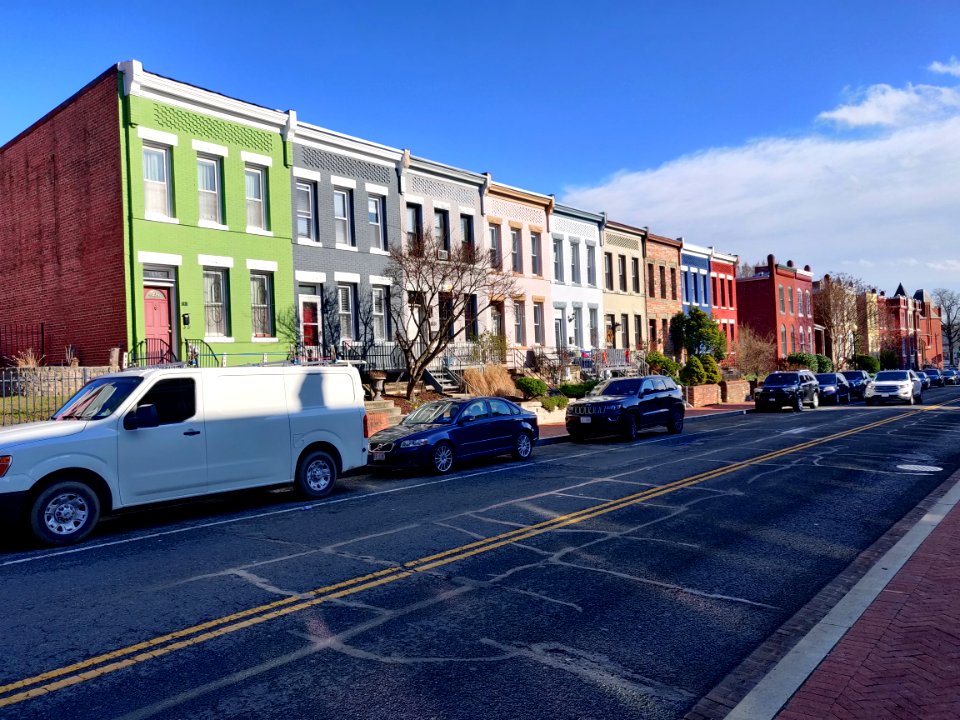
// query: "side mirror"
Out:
[144,416]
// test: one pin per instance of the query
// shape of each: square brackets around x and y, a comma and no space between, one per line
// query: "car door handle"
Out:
[192,432]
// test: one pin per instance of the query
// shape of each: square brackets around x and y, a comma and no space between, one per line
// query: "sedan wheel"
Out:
[64,513]
[523,447]
[442,458]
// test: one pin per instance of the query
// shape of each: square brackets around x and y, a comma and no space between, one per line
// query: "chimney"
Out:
[789,263]
[771,263]
[806,268]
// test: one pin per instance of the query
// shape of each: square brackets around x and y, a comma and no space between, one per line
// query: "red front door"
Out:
[156,313]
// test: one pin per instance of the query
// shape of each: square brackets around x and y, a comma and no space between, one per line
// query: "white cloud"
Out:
[895,107]
[948,68]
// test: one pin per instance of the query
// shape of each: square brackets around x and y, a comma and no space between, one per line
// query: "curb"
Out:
[557,439]
[777,687]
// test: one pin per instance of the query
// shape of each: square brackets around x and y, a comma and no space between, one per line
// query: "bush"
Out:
[531,387]
[490,380]
[824,364]
[577,390]
[554,402]
[692,373]
[866,362]
[660,364]
[710,369]
[888,360]
[803,359]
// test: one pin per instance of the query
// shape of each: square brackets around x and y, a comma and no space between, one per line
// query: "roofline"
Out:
[664,240]
[570,211]
[295,131]
[447,171]
[519,194]
[627,228]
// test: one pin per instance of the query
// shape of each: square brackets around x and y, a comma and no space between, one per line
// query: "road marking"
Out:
[162,645]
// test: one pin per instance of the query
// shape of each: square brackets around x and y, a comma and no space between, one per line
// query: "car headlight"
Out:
[419,442]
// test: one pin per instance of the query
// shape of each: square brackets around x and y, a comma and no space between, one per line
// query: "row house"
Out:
[662,256]
[723,295]
[776,301]
[624,286]
[577,298]
[911,328]
[695,277]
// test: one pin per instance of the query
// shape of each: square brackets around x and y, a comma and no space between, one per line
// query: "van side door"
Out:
[168,461]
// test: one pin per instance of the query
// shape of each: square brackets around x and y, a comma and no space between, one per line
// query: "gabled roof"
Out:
[900,291]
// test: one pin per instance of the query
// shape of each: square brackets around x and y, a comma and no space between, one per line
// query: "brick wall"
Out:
[662,252]
[61,225]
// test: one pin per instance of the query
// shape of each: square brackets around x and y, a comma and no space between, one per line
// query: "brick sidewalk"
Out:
[901,659]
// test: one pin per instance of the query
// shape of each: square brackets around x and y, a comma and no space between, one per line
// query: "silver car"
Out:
[896,385]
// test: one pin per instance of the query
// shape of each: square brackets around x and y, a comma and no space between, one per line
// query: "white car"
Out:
[151,435]
[898,385]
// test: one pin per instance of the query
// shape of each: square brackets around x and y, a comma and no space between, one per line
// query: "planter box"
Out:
[545,417]
[701,395]
[735,391]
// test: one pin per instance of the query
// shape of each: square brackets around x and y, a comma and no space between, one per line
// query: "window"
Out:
[575,262]
[306,222]
[496,257]
[673,283]
[665,331]
[538,323]
[536,263]
[208,184]
[608,270]
[802,343]
[696,288]
[782,306]
[783,338]
[516,241]
[594,327]
[578,326]
[156,183]
[637,332]
[790,299]
[446,314]
[611,330]
[625,330]
[261,304]
[793,339]
[723,294]
[470,327]
[175,400]
[496,319]
[622,271]
[706,287]
[635,267]
[256,207]
[730,293]
[663,282]
[476,410]
[591,265]
[653,334]
[441,228]
[215,302]
[499,408]
[345,311]
[466,229]
[650,280]
[518,321]
[379,314]
[342,227]
[375,213]
[713,287]
[558,259]
[809,306]
[414,224]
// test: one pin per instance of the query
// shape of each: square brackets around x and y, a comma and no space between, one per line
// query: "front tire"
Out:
[675,426]
[64,513]
[799,406]
[815,402]
[630,427]
[316,475]
[523,446]
[441,459]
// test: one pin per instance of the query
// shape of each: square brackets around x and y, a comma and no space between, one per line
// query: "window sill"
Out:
[210,225]
[217,339]
[256,339]
[378,251]
[162,218]
[258,231]
[308,242]
[350,248]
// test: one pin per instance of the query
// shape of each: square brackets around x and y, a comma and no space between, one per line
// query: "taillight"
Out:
[366,428]
[5,461]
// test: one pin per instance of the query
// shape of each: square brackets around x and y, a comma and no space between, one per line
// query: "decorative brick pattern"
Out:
[574,227]
[623,242]
[515,211]
[420,185]
[347,166]
[208,128]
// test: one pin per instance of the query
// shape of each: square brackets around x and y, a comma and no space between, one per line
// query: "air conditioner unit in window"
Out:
[443,255]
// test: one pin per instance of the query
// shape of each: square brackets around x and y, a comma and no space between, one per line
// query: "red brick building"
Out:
[910,327]
[663,288]
[723,299]
[778,301]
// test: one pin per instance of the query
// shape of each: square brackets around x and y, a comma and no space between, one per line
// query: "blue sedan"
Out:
[438,434]
[834,388]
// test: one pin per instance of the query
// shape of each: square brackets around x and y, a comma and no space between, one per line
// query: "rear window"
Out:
[892,376]
[853,374]
[780,379]
[617,387]
[827,377]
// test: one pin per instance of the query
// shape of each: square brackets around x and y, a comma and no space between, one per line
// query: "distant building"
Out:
[663,293]
[723,295]
[624,298]
[695,277]
[777,300]
[910,328]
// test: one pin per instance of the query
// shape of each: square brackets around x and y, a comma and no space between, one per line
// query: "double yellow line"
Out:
[106,663]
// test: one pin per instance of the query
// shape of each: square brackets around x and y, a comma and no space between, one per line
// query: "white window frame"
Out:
[558,260]
[378,229]
[536,255]
[268,285]
[375,316]
[217,193]
[575,262]
[261,173]
[538,323]
[592,265]
[516,249]
[351,336]
[311,218]
[519,322]
[441,228]
[224,284]
[164,151]
[346,222]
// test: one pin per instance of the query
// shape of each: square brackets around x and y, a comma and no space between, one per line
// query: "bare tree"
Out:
[436,286]
[836,307]
[949,303]
[755,354]
[745,269]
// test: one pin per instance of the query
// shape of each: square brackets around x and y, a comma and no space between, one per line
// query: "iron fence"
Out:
[17,338]
[35,393]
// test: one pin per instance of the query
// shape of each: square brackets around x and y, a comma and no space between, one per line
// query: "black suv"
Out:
[858,380]
[936,378]
[624,405]
[793,389]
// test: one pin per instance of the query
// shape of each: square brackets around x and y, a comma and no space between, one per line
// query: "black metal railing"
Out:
[197,353]
[151,351]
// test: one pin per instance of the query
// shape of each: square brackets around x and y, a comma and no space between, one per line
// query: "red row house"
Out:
[910,327]
[777,301]
[723,300]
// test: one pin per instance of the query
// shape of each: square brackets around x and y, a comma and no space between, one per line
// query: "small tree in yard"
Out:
[824,364]
[804,359]
[660,364]
[710,369]
[698,334]
[692,373]
[866,362]
[428,280]
[756,354]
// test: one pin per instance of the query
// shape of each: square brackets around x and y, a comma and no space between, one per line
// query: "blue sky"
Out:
[561,97]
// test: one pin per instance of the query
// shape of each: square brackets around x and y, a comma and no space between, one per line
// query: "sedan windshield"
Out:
[98,398]
[781,379]
[441,411]
[616,387]
[827,378]
[892,376]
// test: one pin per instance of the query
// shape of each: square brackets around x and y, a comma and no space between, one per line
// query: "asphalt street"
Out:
[598,580]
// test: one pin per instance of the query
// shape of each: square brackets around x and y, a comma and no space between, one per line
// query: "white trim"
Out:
[441,205]
[157,136]
[346,277]
[258,231]
[466,210]
[218,339]
[684,268]
[256,159]
[158,258]
[209,148]
[413,200]
[376,189]
[153,217]
[348,248]
[264,265]
[308,242]
[702,271]
[380,280]
[215,261]
[343,182]
[210,225]
[378,251]
[255,339]
[713,275]
[304,174]
[309,276]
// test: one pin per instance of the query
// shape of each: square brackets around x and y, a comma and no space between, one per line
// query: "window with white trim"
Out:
[466,229]
[441,229]
[306,210]
[558,259]
[261,303]
[378,312]
[208,184]
[538,323]
[343,228]
[345,311]
[256,202]
[215,308]
[591,265]
[375,213]
[496,256]
[516,241]
[536,263]
[519,310]
[157,198]
[575,262]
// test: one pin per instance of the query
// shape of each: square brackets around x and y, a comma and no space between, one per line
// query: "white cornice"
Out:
[335,142]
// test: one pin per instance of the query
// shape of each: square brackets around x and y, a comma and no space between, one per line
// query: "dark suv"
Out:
[936,378]
[793,389]
[624,405]
[858,380]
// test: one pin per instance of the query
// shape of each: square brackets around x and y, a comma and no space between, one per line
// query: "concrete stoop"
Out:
[381,414]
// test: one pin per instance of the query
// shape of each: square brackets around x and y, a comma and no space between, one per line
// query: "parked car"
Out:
[150,435]
[625,405]
[793,389]
[900,385]
[924,380]
[936,378]
[858,380]
[834,388]
[440,433]
[951,377]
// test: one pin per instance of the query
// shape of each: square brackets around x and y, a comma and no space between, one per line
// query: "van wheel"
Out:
[523,447]
[317,475]
[64,513]
[442,458]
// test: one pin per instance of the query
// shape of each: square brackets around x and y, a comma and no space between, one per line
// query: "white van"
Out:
[150,435]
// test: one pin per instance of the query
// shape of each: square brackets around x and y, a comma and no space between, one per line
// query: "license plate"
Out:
[771,400]
[586,420]
[379,456]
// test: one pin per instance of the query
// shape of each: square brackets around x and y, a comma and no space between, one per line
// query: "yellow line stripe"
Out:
[279,608]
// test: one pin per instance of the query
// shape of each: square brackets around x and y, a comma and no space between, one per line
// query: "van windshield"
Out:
[98,398]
